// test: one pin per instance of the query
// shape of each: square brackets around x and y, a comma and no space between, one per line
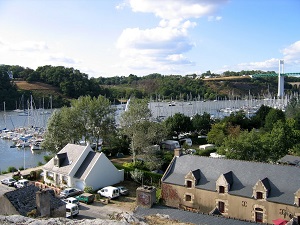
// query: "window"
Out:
[221,189]
[259,195]
[188,198]
[221,206]
[259,215]
[188,183]
[298,201]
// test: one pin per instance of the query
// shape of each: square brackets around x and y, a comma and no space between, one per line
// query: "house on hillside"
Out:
[244,190]
[32,201]
[79,166]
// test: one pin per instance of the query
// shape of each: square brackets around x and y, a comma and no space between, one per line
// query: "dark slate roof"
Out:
[228,177]
[290,159]
[86,164]
[189,217]
[215,212]
[70,154]
[24,199]
[284,181]
[266,183]
[196,174]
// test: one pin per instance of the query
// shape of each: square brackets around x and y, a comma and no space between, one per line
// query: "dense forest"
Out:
[71,84]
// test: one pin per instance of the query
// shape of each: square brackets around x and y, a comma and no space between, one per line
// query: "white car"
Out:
[109,192]
[71,210]
[8,181]
[71,200]
[21,183]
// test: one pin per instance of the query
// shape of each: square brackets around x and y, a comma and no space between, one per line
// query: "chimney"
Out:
[43,203]
[177,152]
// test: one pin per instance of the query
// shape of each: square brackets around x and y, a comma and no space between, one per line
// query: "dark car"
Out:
[86,198]
[8,181]
[123,190]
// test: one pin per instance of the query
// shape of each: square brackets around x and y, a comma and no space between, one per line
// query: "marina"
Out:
[17,133]
[35,123]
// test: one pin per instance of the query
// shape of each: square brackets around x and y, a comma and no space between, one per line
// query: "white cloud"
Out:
[292,53]
[28,46]
[269,64]
[121,5]
[291,57]
[176,9]
[214,18]
[163,46]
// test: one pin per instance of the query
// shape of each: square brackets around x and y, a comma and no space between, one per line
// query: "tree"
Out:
[258,120]
[202,123]
[56,136]
[136,125]
[237,119]
[272,117]
[246,146]
[91,118]
[279,140]
[178,123]
[217,134]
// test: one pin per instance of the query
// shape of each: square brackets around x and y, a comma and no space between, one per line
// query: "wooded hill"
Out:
[63,83]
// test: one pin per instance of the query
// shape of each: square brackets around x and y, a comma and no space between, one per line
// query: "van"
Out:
[109,192]
[187,141]
[169,145]
[21,183]
[71,210]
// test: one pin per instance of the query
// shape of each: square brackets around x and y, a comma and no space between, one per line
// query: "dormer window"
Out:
[192,178]
[261,189]
[188,183]
[221,189]
[259,195]
[224,183]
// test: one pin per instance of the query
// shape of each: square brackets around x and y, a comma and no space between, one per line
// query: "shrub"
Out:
[12,169]
[32,213]
[16,177]
[48,157]
[158,195]
[89,189]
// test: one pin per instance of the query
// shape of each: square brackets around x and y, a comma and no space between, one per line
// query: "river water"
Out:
[24,157]
[20,157]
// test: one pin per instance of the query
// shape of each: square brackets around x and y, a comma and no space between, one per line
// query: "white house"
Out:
[79,166]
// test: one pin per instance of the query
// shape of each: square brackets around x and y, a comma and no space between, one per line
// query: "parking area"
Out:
[97,209]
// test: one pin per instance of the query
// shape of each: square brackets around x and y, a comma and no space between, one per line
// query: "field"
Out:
[37,86]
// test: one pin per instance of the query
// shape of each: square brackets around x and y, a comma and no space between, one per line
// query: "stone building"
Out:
[31,200]
[252,191]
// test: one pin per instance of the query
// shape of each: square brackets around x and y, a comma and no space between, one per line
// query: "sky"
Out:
[106,38]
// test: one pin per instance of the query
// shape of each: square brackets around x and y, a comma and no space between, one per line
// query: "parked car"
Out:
[8,181]
[86,198]
[21,183]
[123,190]
[71,200]
[72,210]
[109,192]
[190,151]
[69,192]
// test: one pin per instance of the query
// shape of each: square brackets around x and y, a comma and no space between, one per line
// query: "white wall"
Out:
[104,173]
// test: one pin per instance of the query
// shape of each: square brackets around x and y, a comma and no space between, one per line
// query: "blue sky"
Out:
[121,37]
